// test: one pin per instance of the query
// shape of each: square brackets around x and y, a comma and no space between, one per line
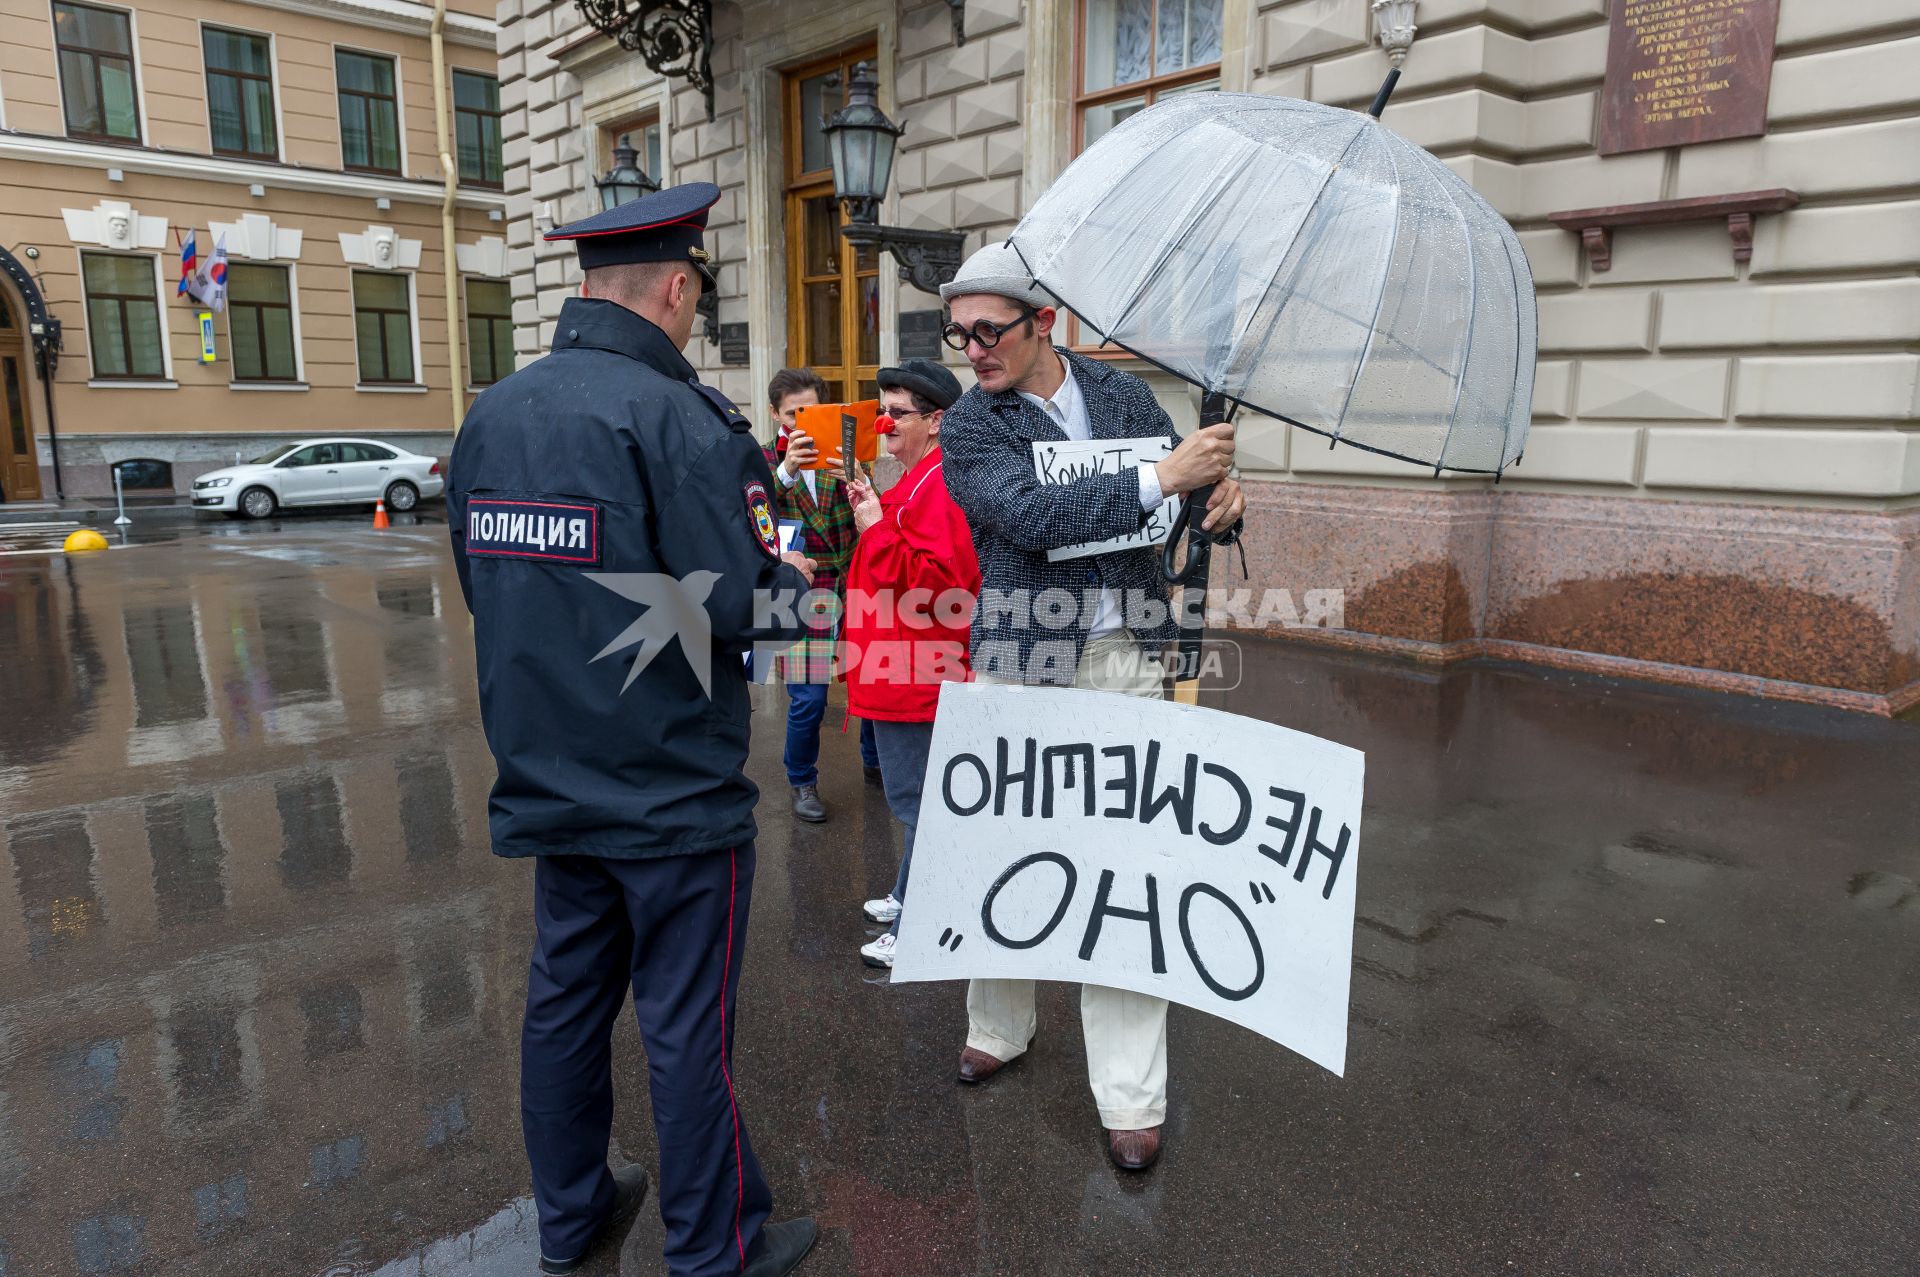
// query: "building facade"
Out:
[1722,485]
[299,134]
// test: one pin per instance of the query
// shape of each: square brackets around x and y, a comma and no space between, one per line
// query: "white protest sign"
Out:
[1184,852]
[1066,460]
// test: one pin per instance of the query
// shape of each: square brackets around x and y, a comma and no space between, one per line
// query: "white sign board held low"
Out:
[1196,855]
[1067,460]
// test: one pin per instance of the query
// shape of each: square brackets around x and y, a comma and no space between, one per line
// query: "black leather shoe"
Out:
[629,1191]
[807,805]
[786,1244]
[873,774]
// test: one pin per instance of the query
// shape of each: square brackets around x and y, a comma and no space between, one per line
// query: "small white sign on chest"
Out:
[1066,460]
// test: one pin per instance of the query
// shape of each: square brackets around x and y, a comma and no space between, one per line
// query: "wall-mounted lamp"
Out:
[626,181]
[862,139]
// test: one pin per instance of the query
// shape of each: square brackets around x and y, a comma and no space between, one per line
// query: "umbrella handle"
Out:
[1200,542]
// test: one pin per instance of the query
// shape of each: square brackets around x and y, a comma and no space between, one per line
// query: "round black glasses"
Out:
[985,332]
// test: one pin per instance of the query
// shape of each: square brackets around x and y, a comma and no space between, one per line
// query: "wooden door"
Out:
[833,289]
[19,459]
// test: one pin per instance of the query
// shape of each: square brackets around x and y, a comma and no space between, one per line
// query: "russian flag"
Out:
[189,263]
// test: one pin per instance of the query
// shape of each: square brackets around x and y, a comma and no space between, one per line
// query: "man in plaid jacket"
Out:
[818,500]
[1030,390]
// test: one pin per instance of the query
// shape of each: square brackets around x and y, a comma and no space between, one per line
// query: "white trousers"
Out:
[1126,1032]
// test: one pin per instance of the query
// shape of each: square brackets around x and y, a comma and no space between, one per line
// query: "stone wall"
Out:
[1677,371]
[1699,423]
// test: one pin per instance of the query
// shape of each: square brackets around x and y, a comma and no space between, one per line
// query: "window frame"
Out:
[491,317]
[207,72]
[1152,88]
[399,110]
[800,187]
[88,297]
[499,128]
[627,125]
[131,58]
[411,313]
[291,306]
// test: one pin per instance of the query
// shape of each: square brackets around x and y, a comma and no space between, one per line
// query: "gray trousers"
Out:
[903,766]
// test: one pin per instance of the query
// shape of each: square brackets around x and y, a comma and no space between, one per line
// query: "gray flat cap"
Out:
[997,269]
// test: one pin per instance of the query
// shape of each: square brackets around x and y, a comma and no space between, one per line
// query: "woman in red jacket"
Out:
[910,595]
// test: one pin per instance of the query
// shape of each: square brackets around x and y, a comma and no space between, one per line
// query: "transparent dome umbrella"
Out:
[1304,261]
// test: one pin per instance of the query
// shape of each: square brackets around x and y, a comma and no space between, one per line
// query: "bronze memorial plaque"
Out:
[1685,71]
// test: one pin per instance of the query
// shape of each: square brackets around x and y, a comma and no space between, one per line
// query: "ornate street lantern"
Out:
[626,181]
[861,139]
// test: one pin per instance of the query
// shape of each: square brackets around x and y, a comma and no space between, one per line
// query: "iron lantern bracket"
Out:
[673,37]
[708,308]
[927,259]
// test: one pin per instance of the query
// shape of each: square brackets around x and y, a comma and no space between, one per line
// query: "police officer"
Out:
[612,525]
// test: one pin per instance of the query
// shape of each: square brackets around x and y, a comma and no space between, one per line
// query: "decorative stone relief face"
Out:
[383,251]
[119,230]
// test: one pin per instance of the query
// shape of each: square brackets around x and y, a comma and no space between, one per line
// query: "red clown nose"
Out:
[883,424]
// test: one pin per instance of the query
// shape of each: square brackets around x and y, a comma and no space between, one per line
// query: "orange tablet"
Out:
[832,425]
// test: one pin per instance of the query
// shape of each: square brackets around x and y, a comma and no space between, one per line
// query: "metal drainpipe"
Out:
[449,182]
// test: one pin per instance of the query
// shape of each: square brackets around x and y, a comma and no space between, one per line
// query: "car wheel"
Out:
[258,503]
[402,496]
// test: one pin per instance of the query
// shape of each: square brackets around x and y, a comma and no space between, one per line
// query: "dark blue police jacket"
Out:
[595,496]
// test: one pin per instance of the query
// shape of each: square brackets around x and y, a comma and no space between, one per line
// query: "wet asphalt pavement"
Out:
[1637,980]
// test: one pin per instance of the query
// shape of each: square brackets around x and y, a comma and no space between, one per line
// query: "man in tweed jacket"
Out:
[817,499]
[1031,390]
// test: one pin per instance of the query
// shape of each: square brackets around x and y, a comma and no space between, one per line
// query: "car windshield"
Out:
[268,458]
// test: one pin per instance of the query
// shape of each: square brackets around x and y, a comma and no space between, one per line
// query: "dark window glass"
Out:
[10,384]
[369,112]
[123,316]
[96,72]
[489,330]
[476,121]
[383,327]
[145,472]
[260,322]
[240,94]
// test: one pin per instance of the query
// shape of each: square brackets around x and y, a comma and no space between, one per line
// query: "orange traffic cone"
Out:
[380,523]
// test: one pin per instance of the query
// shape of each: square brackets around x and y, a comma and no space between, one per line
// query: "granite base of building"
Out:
[1802,604]
[87,460]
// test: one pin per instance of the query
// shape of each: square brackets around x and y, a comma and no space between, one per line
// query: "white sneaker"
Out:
[882,911]
[879,953]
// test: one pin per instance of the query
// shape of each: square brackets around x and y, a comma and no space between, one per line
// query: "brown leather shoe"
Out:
[978,1066]
[1134,1150]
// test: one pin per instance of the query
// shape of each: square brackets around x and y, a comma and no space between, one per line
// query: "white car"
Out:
[321,472]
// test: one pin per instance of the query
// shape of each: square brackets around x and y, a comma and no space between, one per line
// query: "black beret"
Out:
[666,226]
[923,377]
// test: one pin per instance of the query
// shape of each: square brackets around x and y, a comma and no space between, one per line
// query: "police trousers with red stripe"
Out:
[672,929]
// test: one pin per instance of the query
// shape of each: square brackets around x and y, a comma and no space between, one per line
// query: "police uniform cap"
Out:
[666,226]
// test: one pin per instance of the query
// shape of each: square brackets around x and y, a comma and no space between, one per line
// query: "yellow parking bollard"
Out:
[84,540]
